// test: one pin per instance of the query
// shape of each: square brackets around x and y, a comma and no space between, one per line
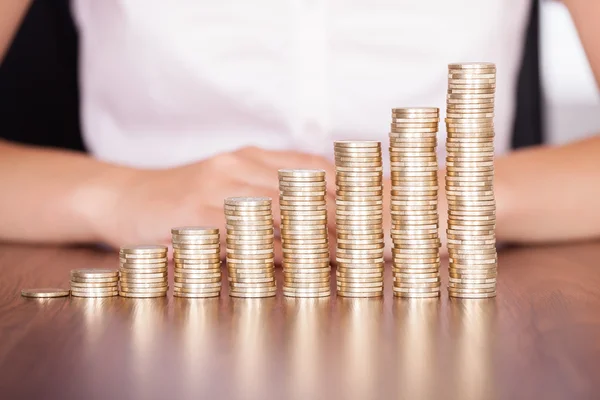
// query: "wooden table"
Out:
[540,338]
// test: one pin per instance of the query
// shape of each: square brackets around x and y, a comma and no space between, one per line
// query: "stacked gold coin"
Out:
[359,218]
[469,180]
[143,271]
[250,256]
[94,282]
[197,259]
[304,233]
[416,261]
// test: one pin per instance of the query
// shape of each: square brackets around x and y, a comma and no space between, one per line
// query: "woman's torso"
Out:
[167,83]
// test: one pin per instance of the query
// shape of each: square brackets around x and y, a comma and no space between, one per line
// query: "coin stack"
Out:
[143,271]
[94,282]
[197,259]
[250,256]
[359,218]
[416,256]
[469,180]
[304,233]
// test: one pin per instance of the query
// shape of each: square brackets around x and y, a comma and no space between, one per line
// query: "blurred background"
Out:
[570,95]
[558,100]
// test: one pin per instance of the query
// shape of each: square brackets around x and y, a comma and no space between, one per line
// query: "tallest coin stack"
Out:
[469,180]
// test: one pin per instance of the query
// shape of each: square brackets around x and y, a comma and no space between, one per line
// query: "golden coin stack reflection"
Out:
[143,271]
[414,167]
[197,259]
[469,180]
[359,218]
[304,234]
[94,282]
[250,256]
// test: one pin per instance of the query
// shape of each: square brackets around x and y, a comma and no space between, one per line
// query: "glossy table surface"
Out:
[540,338]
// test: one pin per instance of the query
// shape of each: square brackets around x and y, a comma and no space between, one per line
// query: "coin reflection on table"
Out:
[361,357]
[307,345]
[471,325]
[148,324]
[416,322]
[252,341]
[94,313]
[196,338]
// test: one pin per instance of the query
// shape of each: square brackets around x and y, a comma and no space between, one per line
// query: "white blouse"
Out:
[171,82]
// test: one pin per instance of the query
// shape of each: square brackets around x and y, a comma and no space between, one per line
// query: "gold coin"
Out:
[206,252]
[212,270]
[93,285]
[197,294]
[142,295]
[417,295]
[284,185]
[252,279]
[301,173]
[374,276]
[192,287]
[93,289]
[308,278]
[306,270]
[249,262]
[143,280]
[192,241]
[416,287]
[315,241]
[471,74]
[241,210]
[409,271]
[143,276]
[143,260]
[459,281]
[342,169]
[355,260]
[252,294]
[472,295]
[95,273]
[95,295]
[415,110]
[356,144]
[306,294]
[252,286]
[135,286]
[198,263]
[143,290]
[237,274]
[416,276]
[45,292]
[202,280]
[248,201]
[472,286]
[93,280]
[200,246]
[492,275]
[143,249]
[194,230]
[472,66]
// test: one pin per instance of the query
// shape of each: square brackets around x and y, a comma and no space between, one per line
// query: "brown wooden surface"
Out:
[540,338]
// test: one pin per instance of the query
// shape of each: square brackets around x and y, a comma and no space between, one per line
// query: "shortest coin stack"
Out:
[94,282]
[197,258]
[143,271]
